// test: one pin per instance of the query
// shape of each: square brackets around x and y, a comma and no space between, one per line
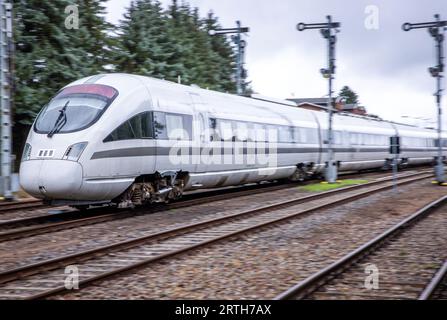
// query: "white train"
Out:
[131,140]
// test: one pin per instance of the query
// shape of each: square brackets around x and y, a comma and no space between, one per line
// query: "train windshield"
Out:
[75,108]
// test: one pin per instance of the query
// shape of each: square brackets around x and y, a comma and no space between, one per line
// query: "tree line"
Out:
[149,40]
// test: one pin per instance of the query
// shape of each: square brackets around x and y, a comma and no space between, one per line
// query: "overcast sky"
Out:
[386,66]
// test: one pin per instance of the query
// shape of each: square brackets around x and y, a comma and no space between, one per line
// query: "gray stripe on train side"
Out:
[165,151]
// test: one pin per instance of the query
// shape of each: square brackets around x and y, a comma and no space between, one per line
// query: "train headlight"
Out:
[74,151]
[26,155]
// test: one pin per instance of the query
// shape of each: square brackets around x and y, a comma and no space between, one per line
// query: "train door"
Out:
[174,136]
[201,133]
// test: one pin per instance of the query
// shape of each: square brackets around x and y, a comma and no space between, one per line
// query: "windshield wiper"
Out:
[60,122]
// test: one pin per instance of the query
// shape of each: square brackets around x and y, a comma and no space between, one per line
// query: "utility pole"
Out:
[6,44]
[240,48]
[328,31]
[436,29]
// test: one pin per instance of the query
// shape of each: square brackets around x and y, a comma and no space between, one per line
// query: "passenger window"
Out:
[296,135]
[285,134]
[141,125]
[352,138]
[225,130]
[259,131]
[138,127]
[123,132]
[174,125]
[214,134]
[242,131]
[337,137]
[272,134]
[303,135]
[251,134]
[310,135]
[160,125]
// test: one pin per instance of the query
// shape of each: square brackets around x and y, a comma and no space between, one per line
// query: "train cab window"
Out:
[138,127]
[75,108]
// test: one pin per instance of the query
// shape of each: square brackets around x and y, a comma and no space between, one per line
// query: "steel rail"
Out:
[309,285]
[51,222]
[188,196]
[434,283]
[70,220]
[20,205]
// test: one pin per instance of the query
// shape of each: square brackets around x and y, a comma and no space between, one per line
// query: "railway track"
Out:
[46,278]
[68,219]
[217,194]
[32,226]
[437,288]
[21,205]
[408,253]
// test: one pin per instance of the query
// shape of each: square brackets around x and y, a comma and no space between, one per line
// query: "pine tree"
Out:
[94,37]
[49,56]
[208,60]
[225,57]
[146,46]
[350,95]
[184,32]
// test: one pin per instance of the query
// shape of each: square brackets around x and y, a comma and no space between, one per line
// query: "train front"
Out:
[51,167]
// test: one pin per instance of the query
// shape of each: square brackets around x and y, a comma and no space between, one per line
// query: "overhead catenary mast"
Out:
[6,43]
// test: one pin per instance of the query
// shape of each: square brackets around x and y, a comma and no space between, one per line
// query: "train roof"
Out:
[276,111]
